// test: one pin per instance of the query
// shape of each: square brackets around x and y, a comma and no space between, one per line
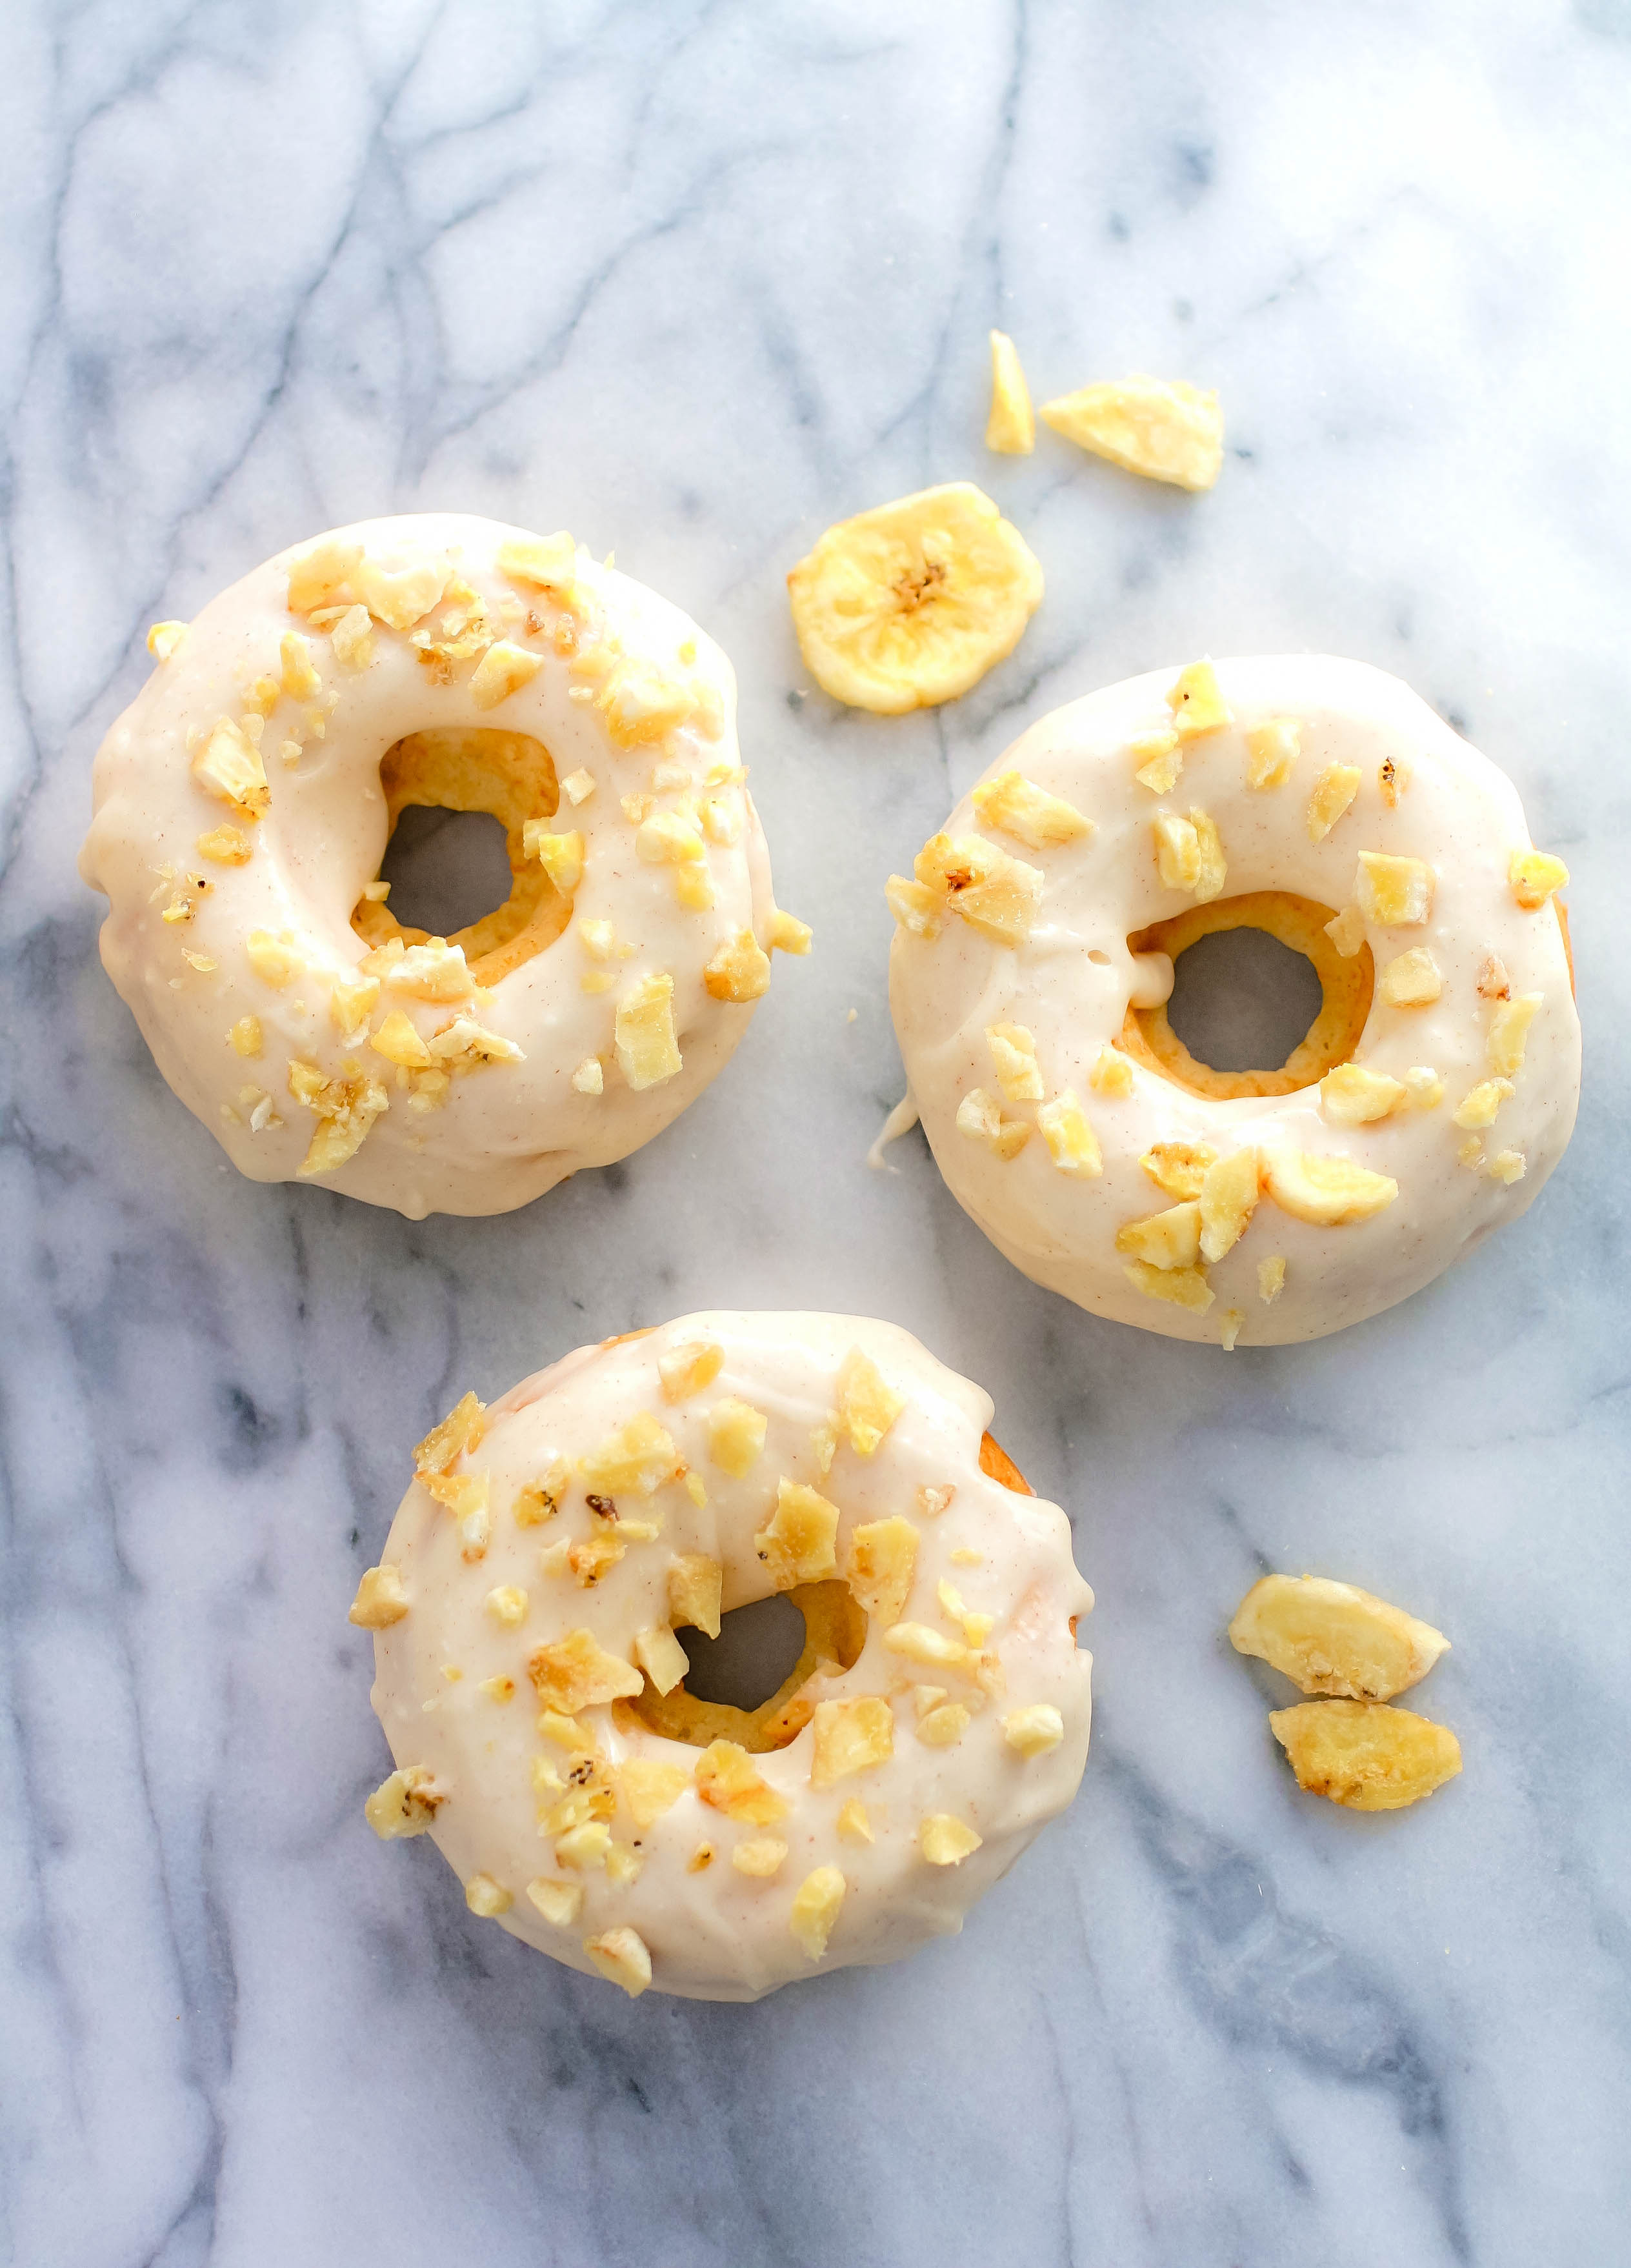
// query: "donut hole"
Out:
[833,1632]
[751,1659]
[463,770]
[447,869]
[1241,999]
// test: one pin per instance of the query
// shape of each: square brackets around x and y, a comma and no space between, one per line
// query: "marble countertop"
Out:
[695,281]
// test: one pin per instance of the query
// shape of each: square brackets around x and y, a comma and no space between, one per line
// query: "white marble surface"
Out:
[695,280]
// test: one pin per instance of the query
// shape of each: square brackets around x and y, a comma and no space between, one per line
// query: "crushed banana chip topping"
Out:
[1034,1730]
[1160,762]
[1533,876]
[854,1826]
[649,1789]
[1479,1107]
[696,1584]
[849,1737]
[945,1841]
[1329,1192]
[735,1435]
[1111,1073]
[1197,702]
[994,894]
[1329,1638]
[1229,1195]
[560,856]
[661,1657]
[1181,1287]
[880,1566]
[868,1405]
[788,934]
[740,970]
[980,1117]
[727,1779]
[1346,932]
[637,1459]
[620,1954]
[1179,1168]
[1411,981]
[381,1598]
[1271,1279]
[227,764]
[1353,1096]
[917,908]
[459,1432]
[1394,892]
[796,1545]
[1015,806]
[576,1673]
[347,1107]
[1508,1038]
[1013,1052]
[1071,1142]
[1189,855]
[560,1903]
[405,1804]
[648,1051]
[816,1907]
[164,638]
[1333,793]
[1165,1239]
[1271,750]
[1364,1754]
[686,1369]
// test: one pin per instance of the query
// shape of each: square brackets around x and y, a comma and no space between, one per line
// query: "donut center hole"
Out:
[457,802]
[1242,1001]
[447,869]
[753,1656]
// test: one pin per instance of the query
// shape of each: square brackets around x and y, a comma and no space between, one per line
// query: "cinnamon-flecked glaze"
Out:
[471,1136]
[710,1931]
[1073,978]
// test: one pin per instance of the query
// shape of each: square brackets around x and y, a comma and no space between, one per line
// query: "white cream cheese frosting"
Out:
[776,1449]
[240,819]
[1011,977]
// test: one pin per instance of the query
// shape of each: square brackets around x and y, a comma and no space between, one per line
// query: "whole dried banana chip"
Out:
[910,604]
[1329,1638]
[1364,1754]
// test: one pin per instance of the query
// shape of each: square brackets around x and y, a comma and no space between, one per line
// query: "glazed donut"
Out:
[244,801]
[1321,801]
[532,1688]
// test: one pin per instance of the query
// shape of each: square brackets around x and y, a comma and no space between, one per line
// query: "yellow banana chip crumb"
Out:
[1330,1638]
[911,603]
[1364,1754]
[1011,429]
[1162,428]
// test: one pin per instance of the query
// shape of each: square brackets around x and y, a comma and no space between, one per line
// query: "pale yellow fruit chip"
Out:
[911,604]
[1011,429]
[1017,806]
[1330,1192]
[851,1736]
[1329,1638]
[1364,1754]
[816,1908]
[1165,428]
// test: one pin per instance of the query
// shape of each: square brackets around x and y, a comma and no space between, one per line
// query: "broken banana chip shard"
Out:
[1329,1638]
[910,604]
[1011,429]
[1364,1754]
[1162,428]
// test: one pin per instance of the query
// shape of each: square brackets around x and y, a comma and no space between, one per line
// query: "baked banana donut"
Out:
[1319,800]
[244,801]
[531,1687]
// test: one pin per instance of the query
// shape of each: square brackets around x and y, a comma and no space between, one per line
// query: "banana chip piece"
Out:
[1365,1754]
[1329,1638]
[1162,428]
[911,604]
[1011,428]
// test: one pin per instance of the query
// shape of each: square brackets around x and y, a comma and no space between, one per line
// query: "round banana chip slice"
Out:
[911,603]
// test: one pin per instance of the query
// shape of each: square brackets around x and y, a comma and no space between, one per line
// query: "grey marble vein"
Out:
[694,280]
